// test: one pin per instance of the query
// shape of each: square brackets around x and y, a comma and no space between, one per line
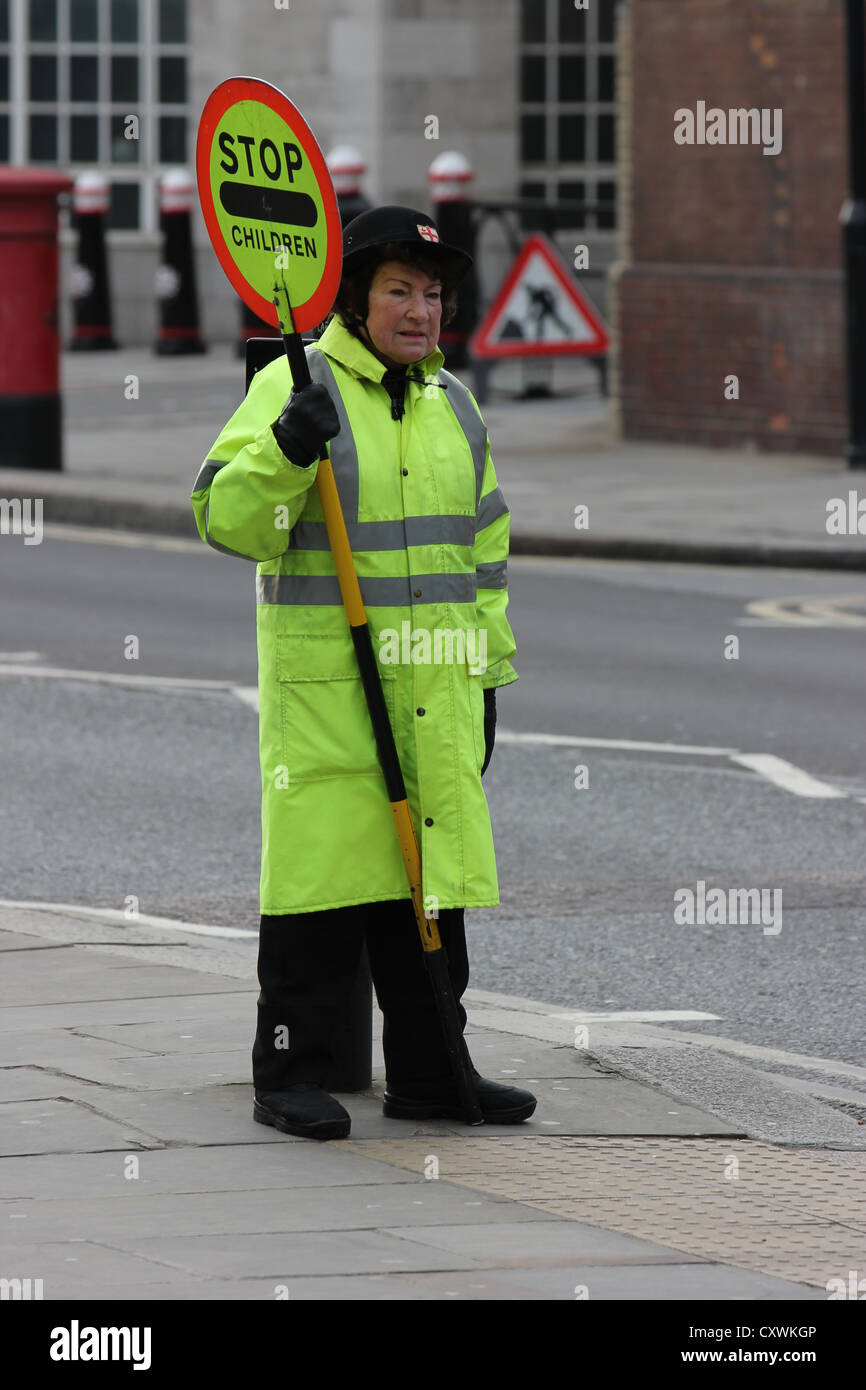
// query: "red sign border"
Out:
[229,93]
[479,346]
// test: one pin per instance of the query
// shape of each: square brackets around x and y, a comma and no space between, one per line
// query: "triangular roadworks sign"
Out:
[539,310]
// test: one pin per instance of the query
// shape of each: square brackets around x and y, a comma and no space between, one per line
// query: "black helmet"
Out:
[407,226]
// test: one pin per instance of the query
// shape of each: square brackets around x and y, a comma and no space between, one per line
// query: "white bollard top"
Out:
[176,191]
[449,177]
[91,192]
[346,165]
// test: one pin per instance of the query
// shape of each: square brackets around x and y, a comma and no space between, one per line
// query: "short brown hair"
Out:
[352,300]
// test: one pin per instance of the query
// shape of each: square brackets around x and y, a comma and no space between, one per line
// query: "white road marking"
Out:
[636,1016]
[630,745]
[139,540]
[776,770]
[116,917]
[773,1054]
[785,774]
[70,673]
[248,695]
[809,612]
[532,1018]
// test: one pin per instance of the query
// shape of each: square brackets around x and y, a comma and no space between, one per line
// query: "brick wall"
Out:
[731,260]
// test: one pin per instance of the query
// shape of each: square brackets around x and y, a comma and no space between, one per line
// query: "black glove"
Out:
[489,726]
[308,420]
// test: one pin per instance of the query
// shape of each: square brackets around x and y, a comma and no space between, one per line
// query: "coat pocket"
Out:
[326,729]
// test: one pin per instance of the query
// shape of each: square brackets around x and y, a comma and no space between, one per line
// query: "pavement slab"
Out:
[133,1167]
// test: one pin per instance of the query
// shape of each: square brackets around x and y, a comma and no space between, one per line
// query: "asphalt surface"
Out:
[147,793]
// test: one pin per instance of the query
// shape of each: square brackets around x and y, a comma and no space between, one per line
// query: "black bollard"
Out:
[91,297]
[251,327]
[175,278]
[347,168]
[449,177]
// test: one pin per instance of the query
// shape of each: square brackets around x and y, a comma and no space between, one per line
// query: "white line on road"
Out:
[776,770]
[637,1016]
[118,918]
[117,678]
[98,535]
[785,774]
[531,1018]
[630,745]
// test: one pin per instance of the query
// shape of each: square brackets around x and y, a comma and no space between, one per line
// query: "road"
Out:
[140,790]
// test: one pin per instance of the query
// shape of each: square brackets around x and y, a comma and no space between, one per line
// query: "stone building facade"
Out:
[523,88]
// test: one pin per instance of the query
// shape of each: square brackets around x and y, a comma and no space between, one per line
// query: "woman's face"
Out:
[405,312]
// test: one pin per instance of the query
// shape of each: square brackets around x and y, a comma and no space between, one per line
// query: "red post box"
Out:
[30,413]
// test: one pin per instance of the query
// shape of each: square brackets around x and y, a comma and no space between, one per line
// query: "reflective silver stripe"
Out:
[207,473]
[389,535]
[472,425]
[491,508]
[344,454]
[491,575]
[301,590]
[223,549]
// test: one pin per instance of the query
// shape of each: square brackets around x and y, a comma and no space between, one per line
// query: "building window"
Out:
[84,68]
[568,112]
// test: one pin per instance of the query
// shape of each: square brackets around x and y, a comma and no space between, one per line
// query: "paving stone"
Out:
[77,973]
[116,1014]
[367,1288]
[214,1170]
[280,1257]
[538,1242]
[158,1072]
[207,1115]
[59,1126]
[289,1208]
[20,941]
[83,1265]
[514,1061]
[61,1048]
[187,1030]
[667,1283]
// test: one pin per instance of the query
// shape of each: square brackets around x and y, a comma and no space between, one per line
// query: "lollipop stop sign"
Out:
[269,204]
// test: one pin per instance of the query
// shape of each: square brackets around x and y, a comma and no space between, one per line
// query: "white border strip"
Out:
[778,771]
[118,918]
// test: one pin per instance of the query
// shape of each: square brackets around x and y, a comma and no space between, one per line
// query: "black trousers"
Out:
[307,965]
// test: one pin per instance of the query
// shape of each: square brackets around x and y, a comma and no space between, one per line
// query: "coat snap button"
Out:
[417,593]
[428,821]
[405,472]
[421,711]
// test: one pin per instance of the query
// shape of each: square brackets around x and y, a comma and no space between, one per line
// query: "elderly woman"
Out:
[428,527]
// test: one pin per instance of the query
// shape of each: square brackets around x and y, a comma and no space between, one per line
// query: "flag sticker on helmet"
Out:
[428,233]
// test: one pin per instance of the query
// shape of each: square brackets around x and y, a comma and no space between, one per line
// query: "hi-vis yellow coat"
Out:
[428,527]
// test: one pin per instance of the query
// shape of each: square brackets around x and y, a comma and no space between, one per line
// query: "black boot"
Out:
[430,1100]
[303,1109]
